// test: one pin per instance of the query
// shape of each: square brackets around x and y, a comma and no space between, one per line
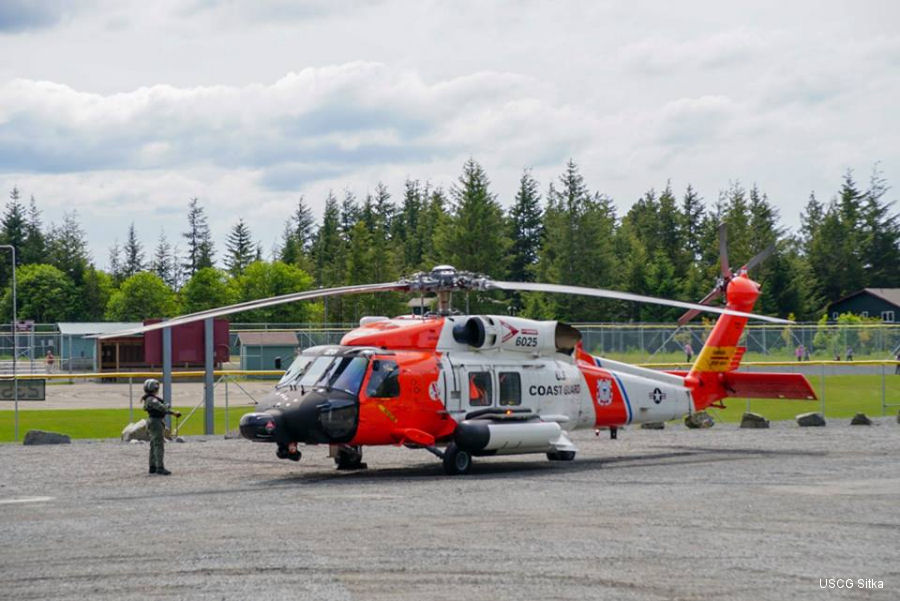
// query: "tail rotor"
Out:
[727,275]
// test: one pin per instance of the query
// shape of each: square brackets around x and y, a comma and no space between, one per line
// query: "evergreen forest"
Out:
[664,245]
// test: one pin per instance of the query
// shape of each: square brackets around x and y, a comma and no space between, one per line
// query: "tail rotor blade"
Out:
[689,315]
[759,258]
[723,251]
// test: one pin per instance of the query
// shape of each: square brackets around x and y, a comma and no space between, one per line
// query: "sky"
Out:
[125,110]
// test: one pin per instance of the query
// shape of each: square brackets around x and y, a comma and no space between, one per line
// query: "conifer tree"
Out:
[34,247]
[67,248]
[475,238]
[200,251]
[879,236]
[12,231]
[116,269]
[164,263]
[298,236]
[525,229]
[240,249]
[134,254]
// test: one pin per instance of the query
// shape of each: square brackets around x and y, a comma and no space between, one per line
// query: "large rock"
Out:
[653,426]
[701,419]
[812,419]
[136,431]
[860,419]
[753,420]
[33,437]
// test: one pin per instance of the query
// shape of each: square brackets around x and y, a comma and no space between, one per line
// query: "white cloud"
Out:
[125,110]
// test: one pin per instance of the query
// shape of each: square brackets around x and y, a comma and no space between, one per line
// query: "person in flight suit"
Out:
[157,410]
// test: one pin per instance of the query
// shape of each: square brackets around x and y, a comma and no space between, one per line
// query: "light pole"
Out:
[15,327]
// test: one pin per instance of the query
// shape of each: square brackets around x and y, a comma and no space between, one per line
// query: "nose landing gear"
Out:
[288,451]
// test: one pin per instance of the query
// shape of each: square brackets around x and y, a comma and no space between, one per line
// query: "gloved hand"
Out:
[177,413]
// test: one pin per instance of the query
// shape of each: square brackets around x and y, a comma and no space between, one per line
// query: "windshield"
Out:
[298,366]
[345,374]
[314,371]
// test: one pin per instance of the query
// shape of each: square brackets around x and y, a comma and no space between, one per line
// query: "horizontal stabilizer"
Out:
[749,385]
[767,386]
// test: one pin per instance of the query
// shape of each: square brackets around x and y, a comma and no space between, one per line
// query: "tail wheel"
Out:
[456,461]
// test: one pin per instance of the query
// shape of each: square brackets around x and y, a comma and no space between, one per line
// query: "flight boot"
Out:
[152,469]
[161,471]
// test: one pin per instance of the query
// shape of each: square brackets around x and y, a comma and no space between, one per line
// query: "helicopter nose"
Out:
[260,427]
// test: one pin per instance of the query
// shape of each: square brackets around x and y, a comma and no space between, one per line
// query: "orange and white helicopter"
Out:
[475,385]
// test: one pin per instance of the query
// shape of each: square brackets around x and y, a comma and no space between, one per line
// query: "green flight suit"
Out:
[156,410]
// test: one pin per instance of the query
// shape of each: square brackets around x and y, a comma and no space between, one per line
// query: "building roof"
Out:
[891,295]
[268,339]
[78,328]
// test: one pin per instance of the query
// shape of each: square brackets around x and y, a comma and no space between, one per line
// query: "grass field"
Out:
[103,423]
[844,396]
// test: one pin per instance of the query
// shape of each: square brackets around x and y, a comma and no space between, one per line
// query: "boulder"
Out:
[860,419]
[653,426]
[701,419]
[33,437]
[136,431]
[753,420]
[811,419]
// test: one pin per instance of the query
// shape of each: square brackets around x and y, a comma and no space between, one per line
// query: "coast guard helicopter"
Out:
[462,386]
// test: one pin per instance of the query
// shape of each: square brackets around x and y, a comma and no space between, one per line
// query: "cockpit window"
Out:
[345,373]
[314,371]
[384,382]
[297,368]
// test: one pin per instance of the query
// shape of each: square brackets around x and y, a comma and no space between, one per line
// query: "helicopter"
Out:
[464,386]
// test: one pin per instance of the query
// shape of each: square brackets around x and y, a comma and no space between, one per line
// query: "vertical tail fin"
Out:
[721,353]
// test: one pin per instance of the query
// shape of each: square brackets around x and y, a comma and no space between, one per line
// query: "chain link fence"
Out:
[636,343]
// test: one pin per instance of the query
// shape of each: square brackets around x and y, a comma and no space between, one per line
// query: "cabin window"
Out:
[480,389]
[510,388]
[887,316]
[384,383]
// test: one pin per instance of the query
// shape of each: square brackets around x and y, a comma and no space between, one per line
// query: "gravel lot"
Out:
[674,514]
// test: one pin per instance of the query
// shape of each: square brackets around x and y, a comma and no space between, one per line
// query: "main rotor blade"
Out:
[760,257]
[260,304]
[615,294]
[723,251]
[713,294]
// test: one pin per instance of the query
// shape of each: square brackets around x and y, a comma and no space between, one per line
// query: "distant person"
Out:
[805,353]
[688,352]
[897,368]
[799,352]
[157,410]
[849,354]
[50,359]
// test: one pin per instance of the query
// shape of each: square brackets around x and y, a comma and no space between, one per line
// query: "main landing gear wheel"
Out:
[456,461]
[561,455]
[349,458]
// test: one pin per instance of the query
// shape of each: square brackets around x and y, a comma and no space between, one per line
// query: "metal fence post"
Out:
[883,395]
[823,388]
[130,400]
[226,405]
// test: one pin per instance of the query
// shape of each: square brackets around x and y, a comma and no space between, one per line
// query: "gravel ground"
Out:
[676,514]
